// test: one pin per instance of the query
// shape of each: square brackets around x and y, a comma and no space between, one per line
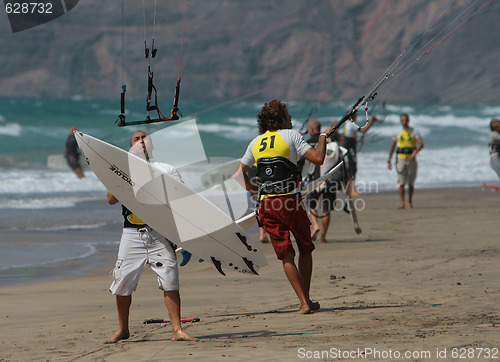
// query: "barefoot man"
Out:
[409,143]
[141,245]
[281,210]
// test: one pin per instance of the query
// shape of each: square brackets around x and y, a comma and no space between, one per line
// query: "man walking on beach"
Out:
[281,210]
[320,202]
[494,145]
[350,141]
[409,143]
[141,245]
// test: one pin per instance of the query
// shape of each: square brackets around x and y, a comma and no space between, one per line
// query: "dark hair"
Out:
[272,115]
[494,124]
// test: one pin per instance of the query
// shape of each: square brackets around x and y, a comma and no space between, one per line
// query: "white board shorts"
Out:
[139,247]
[495,164]
[407,171]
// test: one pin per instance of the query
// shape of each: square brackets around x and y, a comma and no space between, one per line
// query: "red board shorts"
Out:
[284,214]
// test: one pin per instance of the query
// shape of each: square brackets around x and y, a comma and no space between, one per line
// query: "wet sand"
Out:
[420,283]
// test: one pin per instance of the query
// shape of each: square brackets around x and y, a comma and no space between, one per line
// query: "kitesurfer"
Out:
[409,143]
[281,210]
[141,245]
[494,144]
[72,155]
[350,140]
[322,200]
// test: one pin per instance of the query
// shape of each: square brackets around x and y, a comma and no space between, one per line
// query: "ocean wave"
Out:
[244,121]
[52,202]
[398,109]
[436,168]
[11,129]
[449,120]
[17,181]
[44,254]
[67,227]
[491,111]
[44,128]
[230,131]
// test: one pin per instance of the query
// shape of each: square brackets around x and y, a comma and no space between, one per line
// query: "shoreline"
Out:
[105,257]
[422,279]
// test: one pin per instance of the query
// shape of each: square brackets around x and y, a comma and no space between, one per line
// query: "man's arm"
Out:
[391,151]
[243,179]
[317,155]
[111,198]
[417,150]
[371,121]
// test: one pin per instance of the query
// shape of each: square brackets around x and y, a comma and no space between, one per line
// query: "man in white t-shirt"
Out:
[281,210]
[350,141]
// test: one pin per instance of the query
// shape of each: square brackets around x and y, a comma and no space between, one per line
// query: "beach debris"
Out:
[334,277]
[183,320]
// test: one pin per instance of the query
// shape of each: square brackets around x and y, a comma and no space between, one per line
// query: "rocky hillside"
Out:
[258,49]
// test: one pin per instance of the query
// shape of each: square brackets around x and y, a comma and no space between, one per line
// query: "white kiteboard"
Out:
[174,210]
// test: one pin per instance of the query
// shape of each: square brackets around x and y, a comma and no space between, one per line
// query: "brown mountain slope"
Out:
[290,49]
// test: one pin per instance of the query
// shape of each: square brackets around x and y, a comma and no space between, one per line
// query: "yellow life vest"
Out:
[269,146]
[131,219]
[134,220]
[406,144]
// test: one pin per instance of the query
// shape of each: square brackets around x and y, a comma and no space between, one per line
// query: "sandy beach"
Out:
[416,284]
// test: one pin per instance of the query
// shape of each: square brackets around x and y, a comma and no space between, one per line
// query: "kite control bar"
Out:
[161,118]
[347,116]
[357,105]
